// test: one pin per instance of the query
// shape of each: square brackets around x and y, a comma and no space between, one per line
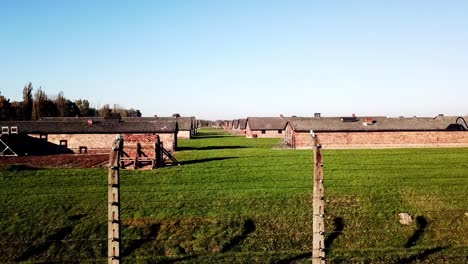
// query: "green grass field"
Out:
[238,200]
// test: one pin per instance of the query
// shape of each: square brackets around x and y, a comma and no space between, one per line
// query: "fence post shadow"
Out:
[421,226]
[338,222]
[135,244]
[55,238]
[248,228]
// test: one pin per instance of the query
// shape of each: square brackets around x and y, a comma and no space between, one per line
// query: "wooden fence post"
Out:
[158,152]
[318,248]
[114,223]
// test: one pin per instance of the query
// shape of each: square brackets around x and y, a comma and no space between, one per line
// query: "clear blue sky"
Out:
[229,59]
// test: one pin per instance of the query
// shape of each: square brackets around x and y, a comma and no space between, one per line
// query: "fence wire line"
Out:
[303,180]
[254,234]
[302,200]
[153,191]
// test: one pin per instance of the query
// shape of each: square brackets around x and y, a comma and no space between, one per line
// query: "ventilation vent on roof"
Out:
[368,121]
[14,130]
[317,115]
[349,119]
[5,130]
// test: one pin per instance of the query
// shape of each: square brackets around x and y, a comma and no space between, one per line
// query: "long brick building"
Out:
[376,132]
[87,135]
[265,127]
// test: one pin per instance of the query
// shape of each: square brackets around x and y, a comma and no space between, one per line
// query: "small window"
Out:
[263,131]
[14,130]
[280,131]
[5,130]
[63,142]
[83,149]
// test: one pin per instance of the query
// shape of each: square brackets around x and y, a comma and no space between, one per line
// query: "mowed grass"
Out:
[238,200]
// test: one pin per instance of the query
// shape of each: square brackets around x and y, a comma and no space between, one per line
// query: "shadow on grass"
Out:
[200,136]
[339,227]
[134,244]
[248,228]
[54,239]
[420,256]
[421,224]
[187,162]
[174,260]
[211,147]
[18,168]
[338,222]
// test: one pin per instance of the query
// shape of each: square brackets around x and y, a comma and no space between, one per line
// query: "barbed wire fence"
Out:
[315,214]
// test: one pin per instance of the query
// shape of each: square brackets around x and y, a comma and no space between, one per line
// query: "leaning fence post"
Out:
[114,223]
[318,230]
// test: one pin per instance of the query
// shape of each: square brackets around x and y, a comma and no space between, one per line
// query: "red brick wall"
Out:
[332,140]
[101,143]
[96,143]
[268,134]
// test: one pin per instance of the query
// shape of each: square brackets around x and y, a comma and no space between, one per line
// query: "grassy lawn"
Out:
[238,200]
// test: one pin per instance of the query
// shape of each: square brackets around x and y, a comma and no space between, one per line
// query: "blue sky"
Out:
[230,59]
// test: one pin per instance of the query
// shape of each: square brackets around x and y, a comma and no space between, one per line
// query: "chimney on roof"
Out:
[317,115]
[368,121]
[440,115]
[354,115]
[90,122]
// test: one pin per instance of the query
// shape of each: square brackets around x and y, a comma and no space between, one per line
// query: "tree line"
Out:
[38,104]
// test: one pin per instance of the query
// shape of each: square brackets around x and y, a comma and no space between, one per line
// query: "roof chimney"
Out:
[368,121]
[317,115]
[354,115]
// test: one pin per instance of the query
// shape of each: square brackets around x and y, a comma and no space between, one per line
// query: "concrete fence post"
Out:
[114,220]
[318,247]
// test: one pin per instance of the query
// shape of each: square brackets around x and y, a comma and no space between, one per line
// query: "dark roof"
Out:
[235,123]
[266,123]
[97,127]
[99,118]
[242,123]
[336,124]
[185,123]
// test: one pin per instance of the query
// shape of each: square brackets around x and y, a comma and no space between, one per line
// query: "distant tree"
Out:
[39,98]
[176,115]
[71,109]
[118,109]
[42,106]
[84,108]
[27,105]
[105,111]
[61,104]
[16,110]
[138,113]
[133,112]
[49,109]
[5,108]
